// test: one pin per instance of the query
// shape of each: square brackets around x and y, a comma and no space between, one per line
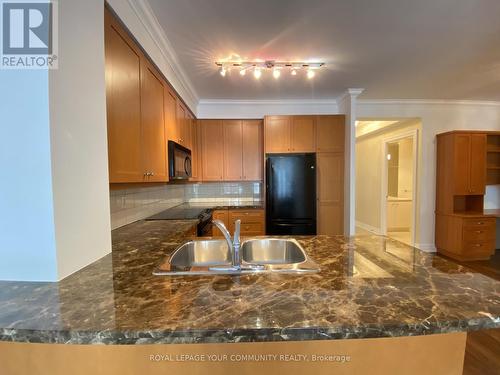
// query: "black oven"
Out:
[179,161]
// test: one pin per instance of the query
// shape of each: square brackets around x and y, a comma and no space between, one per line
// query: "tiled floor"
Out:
[404,237]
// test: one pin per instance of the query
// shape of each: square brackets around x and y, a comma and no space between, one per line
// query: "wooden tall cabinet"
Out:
[463,231]
[330,132]
[277,134]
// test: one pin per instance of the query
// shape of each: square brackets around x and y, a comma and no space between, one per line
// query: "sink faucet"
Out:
[233,244]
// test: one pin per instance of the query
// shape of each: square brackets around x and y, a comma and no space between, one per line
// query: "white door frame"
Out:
[413,133]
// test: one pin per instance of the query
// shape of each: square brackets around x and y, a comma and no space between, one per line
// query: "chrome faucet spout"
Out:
[219,224]
[233,244]
[236,244]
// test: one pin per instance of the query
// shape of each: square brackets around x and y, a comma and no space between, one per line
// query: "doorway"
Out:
[399,187]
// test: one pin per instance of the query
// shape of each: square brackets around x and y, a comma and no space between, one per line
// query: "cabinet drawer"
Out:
[478,233]
[479,222]
[478,247]
[246,216]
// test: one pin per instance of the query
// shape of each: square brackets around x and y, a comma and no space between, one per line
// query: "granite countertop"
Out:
[228,204]
[368,286]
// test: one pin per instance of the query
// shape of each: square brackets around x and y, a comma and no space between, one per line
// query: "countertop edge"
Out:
[221,336]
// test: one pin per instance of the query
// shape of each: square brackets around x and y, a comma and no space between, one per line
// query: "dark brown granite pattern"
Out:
[368,287]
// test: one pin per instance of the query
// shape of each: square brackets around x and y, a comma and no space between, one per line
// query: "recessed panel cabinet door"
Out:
[330,177]
[330,133]
[123,105]
[303,134]
[170,109]
[233,160]
[461,164]
[212,150]
[277,134]
[195,152]
[153,125]
[478,164]
[252,150]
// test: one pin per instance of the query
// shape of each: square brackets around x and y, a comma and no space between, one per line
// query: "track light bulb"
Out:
[243,72]
[310,73]
[276,73]
[257,73]
[222,71]
[294,72]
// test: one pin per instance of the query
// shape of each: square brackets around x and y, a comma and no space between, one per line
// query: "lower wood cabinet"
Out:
[465,237]
[252,221]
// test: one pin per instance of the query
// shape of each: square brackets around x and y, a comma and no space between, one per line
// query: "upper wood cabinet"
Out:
[153,125]
[303,134]
[289,134]
[277,134]
[195,151]
[143,112]
[330,130]
[123,104]
[469,163]
[252,133]
[170,106]
[233,145]
[212,150]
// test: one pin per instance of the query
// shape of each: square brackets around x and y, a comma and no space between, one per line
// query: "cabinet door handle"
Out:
[480,223]
[479,231]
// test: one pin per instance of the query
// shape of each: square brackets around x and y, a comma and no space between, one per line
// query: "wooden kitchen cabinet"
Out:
[330,133]
[277,134]
[222,215]
[233,145]
[302,134]
[463,231]
[170,108]
[252,132]
[153,125]
[212,150]
[252,221]
[284,134]
[469,163]
[142,111]
[123,104]
[330,195]
[195,151]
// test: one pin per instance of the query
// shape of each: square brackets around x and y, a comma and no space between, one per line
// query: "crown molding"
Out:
[143,11]
[265,102]
[428,102]
[352,92]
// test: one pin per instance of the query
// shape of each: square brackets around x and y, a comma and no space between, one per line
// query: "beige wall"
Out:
[369,175]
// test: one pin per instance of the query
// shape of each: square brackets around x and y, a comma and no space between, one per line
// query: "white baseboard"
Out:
[426,247]
[368,227]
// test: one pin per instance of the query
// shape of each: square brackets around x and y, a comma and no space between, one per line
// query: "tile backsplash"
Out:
[129,205]
[219,191]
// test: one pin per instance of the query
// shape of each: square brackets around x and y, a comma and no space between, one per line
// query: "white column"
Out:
[347,106]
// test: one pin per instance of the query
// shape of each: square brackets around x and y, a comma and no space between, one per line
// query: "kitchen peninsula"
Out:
[369,289]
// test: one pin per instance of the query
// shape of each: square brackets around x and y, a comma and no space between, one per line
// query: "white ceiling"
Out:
[395,49]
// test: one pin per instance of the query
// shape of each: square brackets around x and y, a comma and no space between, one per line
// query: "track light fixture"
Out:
[277,67]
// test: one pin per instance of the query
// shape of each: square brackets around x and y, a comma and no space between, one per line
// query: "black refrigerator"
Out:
[291,194]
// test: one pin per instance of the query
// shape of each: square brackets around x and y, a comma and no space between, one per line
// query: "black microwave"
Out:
[179,161]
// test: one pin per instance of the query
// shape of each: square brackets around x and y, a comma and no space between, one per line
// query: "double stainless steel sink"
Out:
[213,257]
